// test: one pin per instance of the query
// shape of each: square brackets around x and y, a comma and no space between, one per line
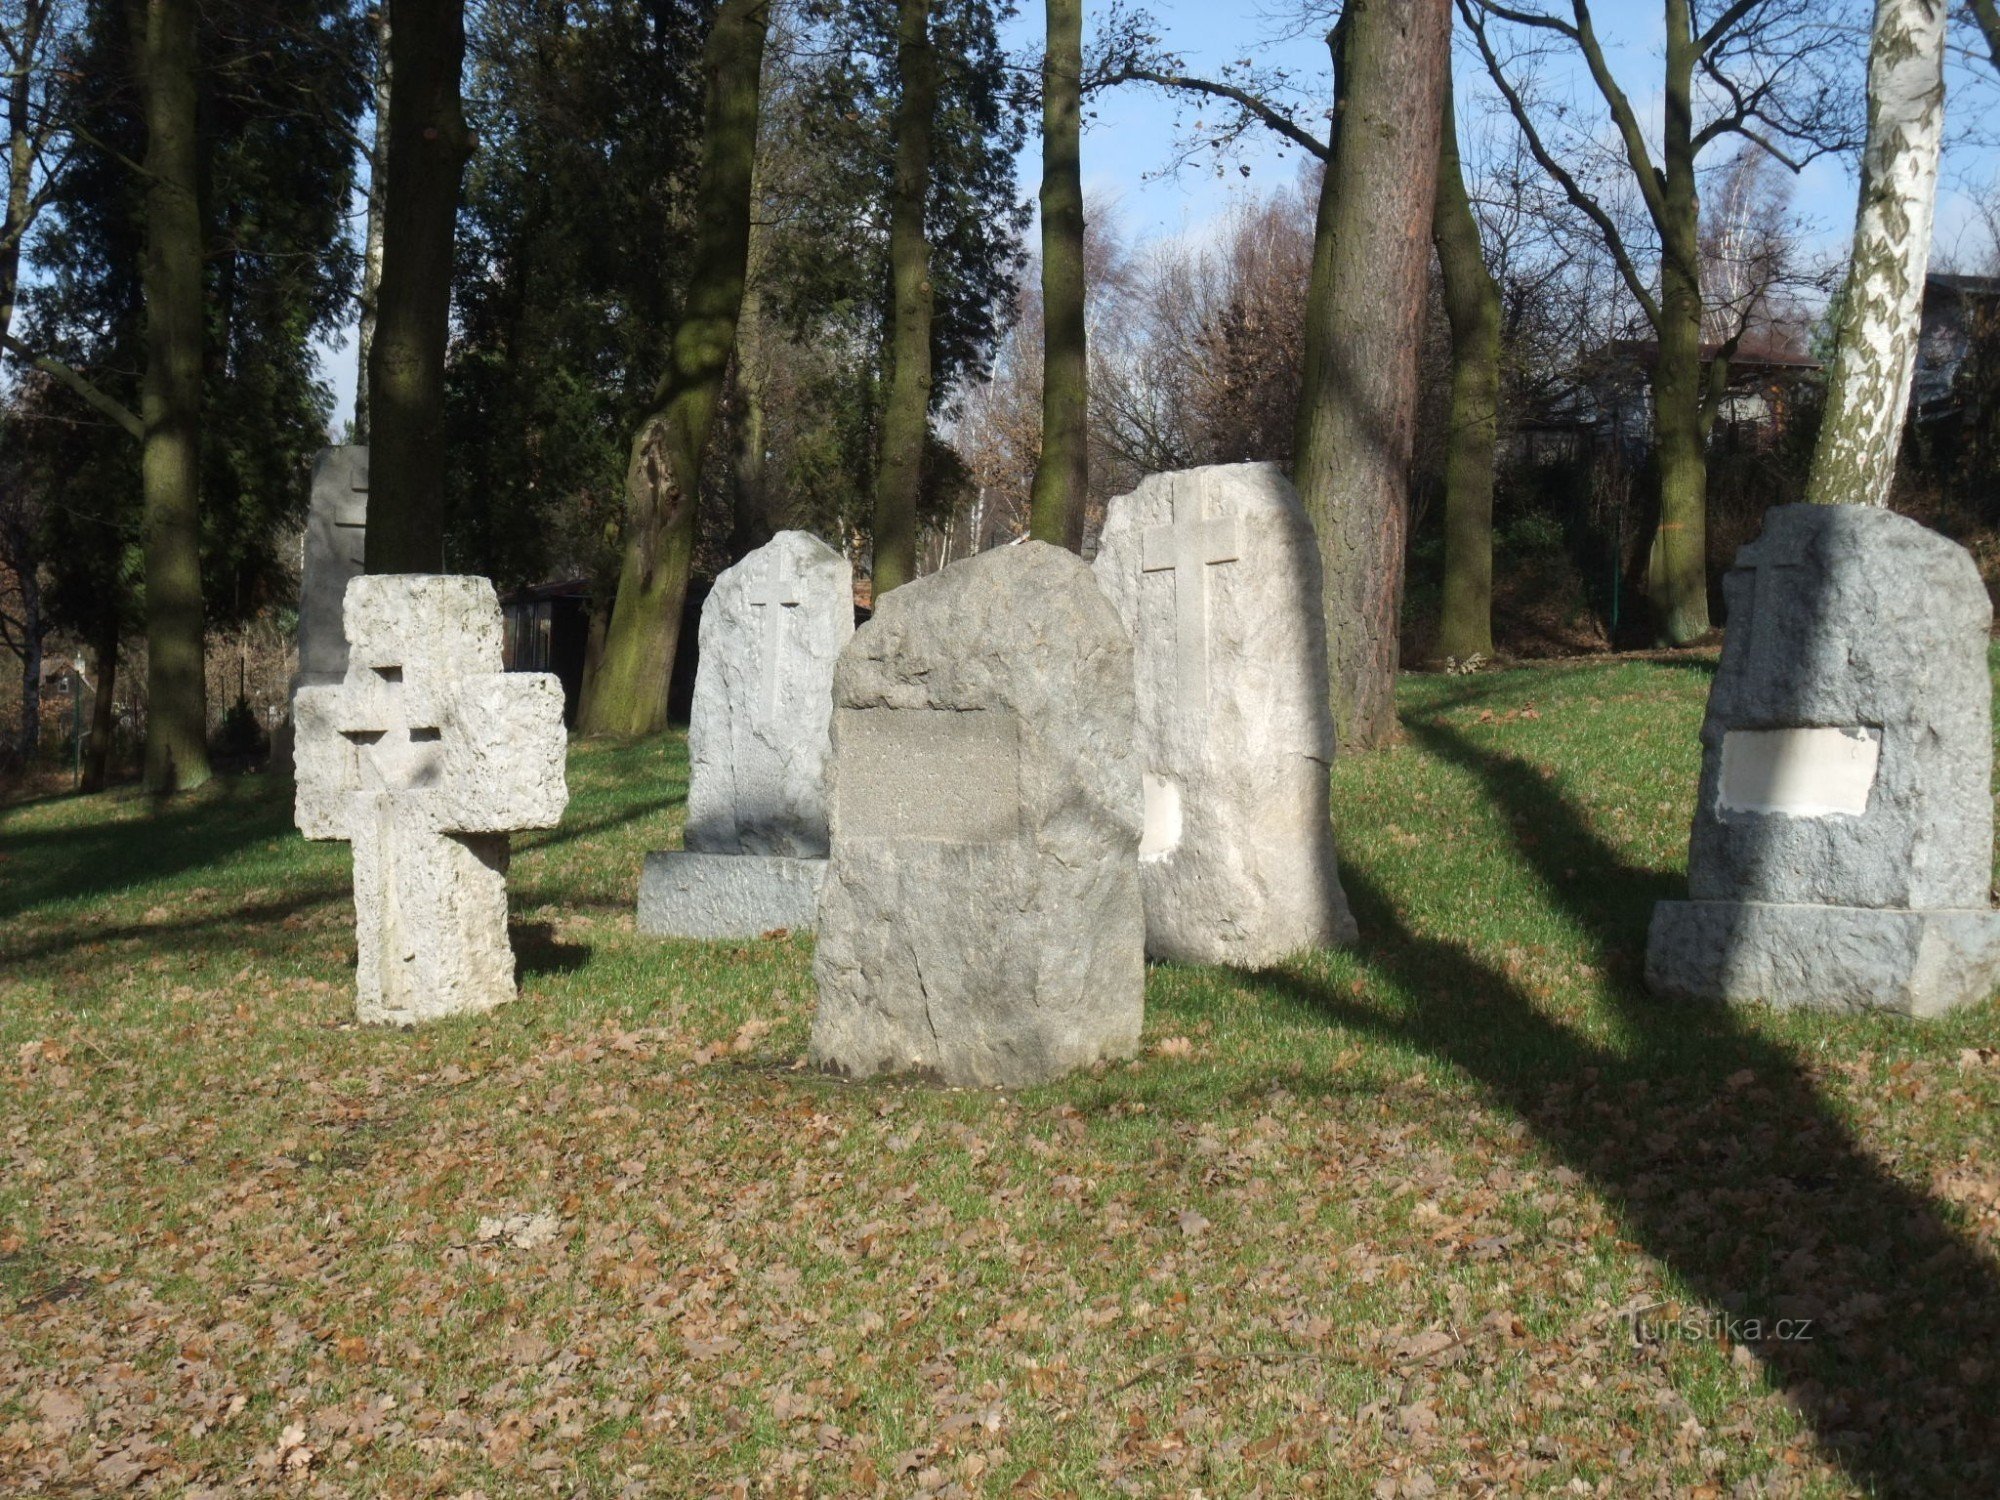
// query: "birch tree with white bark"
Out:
[1875,346]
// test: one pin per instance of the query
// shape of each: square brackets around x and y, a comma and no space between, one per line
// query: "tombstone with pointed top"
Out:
[1215,573]
[426,757]
[330,558]
[336,535]
[757,746]
[1841,851]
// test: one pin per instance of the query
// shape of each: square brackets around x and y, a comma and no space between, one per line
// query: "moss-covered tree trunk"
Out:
[1063,473]
[753,521]
[1364,316]
[1875,347]
[906,415]
[429,146]
[170,407]
[628,691]
[1677,567]
[1472,307]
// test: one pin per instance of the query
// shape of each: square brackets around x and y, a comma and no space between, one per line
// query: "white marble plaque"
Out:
[1799,773]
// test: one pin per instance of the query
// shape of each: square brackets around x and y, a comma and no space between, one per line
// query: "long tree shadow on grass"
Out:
[1720,1157]
[48,865]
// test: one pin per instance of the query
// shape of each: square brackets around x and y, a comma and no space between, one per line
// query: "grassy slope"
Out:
[1363,1224]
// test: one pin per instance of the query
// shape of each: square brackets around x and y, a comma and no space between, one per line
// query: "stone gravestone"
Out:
[758,744]
[1216,574]
[1842,846]
[336,533]
[981,920]
[425,757]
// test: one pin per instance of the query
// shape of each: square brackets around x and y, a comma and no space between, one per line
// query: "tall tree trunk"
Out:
[1875,348]
[20,76]
[103,711]
[751,523]
[1063,473]
[1364,319]
[176,700]
[1677,569]
[371,255]
[1472,306]
[429,146]
[663,477]
[906,416]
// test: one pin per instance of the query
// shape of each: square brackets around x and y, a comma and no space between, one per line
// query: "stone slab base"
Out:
[1842,958]
[727,895]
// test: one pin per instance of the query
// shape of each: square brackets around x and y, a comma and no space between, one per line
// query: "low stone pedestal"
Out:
[1848,958]
[727,895]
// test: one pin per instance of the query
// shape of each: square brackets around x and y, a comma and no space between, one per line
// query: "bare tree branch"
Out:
[55,369]
[1580,200]
[1264,112]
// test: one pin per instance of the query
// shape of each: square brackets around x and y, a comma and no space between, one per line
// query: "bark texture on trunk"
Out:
[429,146]
[752,519]
[371,254]
[1472,307]
[176,698]
[1364,318]
[1875,347]
[1062,475]
[1677,567]
[628,691]
[906,416]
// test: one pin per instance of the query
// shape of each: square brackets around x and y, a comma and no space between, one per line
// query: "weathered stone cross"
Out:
[426,756]
[775,593]
[1188,548]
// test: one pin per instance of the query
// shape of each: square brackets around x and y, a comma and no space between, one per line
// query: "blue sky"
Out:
[1130,144]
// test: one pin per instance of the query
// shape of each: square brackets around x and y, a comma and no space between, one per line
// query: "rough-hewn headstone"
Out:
[981,920]
[1841,850]
[425,757]
[1216,574]
[758,742]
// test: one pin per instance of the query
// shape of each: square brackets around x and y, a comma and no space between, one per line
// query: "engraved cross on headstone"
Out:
[774,593]
[425,757]
[1775,565]
[1188,548]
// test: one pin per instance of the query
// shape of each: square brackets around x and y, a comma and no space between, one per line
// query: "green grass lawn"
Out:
[1371,1223]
